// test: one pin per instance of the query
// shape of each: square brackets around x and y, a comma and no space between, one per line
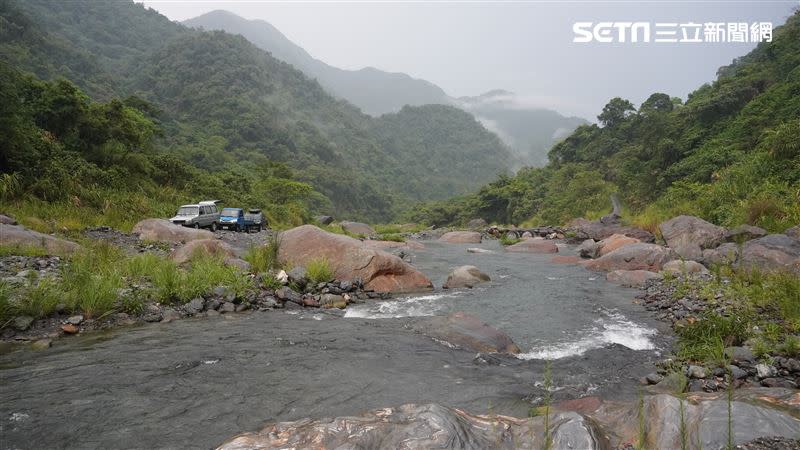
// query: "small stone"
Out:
[696,372]
[778,382]
[61,308]
[213,305]
[740,355]
[696,386]
[764,371]
[653,378]
[736,372]
[152,317]
[346,285]
[227,307]
[169,315]
[75,320]
[195,305]
[42,344]
[22,323]
[69,328]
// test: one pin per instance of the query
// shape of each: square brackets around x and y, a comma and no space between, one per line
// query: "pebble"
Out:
[70,328]
[75,320]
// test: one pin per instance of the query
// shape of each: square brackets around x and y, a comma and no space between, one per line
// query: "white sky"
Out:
[526,46]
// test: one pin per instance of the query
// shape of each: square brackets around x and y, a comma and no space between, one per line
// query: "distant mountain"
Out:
[529,132]
[374,91]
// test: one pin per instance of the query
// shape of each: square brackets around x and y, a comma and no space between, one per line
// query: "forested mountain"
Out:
[730,154]
[528,131]
[221,104]
[374,91]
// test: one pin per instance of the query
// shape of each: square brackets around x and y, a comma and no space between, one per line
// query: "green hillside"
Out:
[729,154]
[224,106]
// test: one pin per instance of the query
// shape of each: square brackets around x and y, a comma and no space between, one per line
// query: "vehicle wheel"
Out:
[213,227]
[196,226]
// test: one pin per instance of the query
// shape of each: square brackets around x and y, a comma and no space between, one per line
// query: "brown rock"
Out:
[614,242]
[533,246]
[598,231]
[213,247]
[461,237]
[358,228]
[70,328]
[689,235]
[631,278]
[793,232]
[411,245]
[162,230]
[639,256]
[468,332]
[350,258]
[17,235]
[465,276]
[744,233]
[684,267]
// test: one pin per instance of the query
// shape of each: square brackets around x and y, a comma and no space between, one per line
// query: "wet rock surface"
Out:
[468,332]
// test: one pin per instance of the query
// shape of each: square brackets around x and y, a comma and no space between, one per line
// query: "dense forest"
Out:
[729,154]
[225,110]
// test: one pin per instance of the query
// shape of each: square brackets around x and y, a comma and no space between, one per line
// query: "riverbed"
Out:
[194,383]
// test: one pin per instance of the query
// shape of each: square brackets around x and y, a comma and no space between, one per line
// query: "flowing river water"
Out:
[196,382]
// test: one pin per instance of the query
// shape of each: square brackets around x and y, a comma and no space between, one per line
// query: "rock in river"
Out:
[350,259]
[465,276]
[468,332]
[461,237]
[650,257]
[614,242]
[533,246]
[163,230]
[424,427]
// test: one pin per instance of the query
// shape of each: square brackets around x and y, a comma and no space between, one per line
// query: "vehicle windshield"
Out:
[188,211]
[229,212]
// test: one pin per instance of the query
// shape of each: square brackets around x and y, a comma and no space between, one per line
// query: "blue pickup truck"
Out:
[237,220]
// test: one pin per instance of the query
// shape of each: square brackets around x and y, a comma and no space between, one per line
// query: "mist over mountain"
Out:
[528,130]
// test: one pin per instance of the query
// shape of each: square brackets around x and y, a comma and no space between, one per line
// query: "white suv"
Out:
[202,215]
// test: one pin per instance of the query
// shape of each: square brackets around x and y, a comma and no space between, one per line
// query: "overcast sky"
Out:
[526,47]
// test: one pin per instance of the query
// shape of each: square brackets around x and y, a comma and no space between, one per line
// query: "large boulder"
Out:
[17,235]
[476,224]
[467,332]
[589,248]
[424,427]
[639,256]
[585,229]
[213,247]
[410,245]
[358,228]
[162,230]
[744,233]
[350,258]
[614,242]
[461,237]
[793,232]
[465,276]
[632,278]
[725,254]
[770,253]
[689,235]
[533,246]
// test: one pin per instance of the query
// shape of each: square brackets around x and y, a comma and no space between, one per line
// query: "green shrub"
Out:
[7,308]
[394,237]
[319,271]
[265,257]
[39,299]
[706,339]
[508,240]
[21,250]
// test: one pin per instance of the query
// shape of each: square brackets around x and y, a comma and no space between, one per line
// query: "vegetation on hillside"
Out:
[730,154]
[222,105]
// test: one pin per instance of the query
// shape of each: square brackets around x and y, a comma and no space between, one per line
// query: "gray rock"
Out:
[793,232]
[298,276]
[227,307]
[653,378]
[727,253]
[242,307]
[744,233]
[169,315]
[736,373]
[42,344]
[22,323]
[465,276]
[213,304]
[75,320]
[589,249]
[286,294]
[697,372]
[345,285]
[324,220]
[696,386]
[778,383]
[7,220]
[739,355]
[152,317]
[689,235]
[772,252]
[764,371]
[195,305]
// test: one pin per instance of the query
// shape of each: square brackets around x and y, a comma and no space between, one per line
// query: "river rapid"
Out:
[196,382]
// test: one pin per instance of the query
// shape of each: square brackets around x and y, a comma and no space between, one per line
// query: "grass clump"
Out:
[319,270]
[706,339]
[22,250]
[394,237]
[264,258]
[506,239]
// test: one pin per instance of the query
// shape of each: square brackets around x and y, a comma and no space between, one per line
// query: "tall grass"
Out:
[319,270]
[264,258]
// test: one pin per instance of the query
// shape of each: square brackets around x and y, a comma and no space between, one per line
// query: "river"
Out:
[194,383]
